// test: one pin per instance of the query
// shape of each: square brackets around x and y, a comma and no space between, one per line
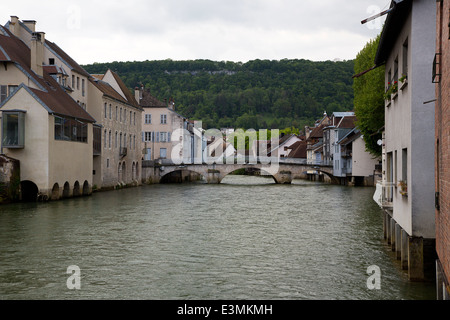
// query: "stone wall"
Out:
[9,179]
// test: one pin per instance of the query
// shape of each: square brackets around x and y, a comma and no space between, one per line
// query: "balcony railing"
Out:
[123,152]
[437,68]
[387,194]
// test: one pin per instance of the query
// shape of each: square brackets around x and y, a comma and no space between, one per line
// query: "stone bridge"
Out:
[282,173]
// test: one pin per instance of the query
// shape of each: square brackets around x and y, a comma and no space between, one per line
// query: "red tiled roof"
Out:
[317,132]
[149,101]
[348,122]
[58,101]
[107,90]
[300,151]
[52,95]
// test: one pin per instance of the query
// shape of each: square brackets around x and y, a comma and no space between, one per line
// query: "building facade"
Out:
[117,161]
[407,49]
[42,126]
[114,128]
[166,135]
[441,77]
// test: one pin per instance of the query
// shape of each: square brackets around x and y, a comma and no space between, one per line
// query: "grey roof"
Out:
[394,21]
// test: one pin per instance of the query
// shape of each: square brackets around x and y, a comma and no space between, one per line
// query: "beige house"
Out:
[166,135]
[104,100]
[42,126]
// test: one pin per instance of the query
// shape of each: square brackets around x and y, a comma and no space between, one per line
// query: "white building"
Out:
[407,48]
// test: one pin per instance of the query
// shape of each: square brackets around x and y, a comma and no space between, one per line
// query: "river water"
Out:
[246,238]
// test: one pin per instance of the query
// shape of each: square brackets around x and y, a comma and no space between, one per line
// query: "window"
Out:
[148,119]
[13,129]
[105,106]
[110,112]
[51,61]
[120,114]
[106,139]
[115,141]
[68,129]
[82,88]
[117,113]
[164,119]
[107,163]
[125,140]
[134,118]
[405,164]
[124,115]
[163,136]
[11,90]
[395,70]
[163,153]
[405,59]
[109,141]
[3,93]
[131,118]
[73,82]
[148,154]
[78,83]
[395,168]
[147,136]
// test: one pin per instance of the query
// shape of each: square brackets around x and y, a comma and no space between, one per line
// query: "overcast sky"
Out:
[223,30]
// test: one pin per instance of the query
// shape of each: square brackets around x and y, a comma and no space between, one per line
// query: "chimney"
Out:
[30,24]
[139,93]
[37,52]
[14,25]
[171,104]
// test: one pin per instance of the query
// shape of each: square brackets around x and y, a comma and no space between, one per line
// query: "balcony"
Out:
[437,68]
[123,152]
[387,194]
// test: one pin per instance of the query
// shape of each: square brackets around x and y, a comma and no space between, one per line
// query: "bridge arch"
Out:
[229,172]
[181,175]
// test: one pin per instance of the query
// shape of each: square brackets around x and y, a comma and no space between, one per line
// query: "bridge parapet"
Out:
[283,172]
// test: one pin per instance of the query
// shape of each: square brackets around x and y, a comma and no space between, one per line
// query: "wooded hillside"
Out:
[257,94]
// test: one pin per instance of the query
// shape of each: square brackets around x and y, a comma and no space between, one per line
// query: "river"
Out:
[246,238]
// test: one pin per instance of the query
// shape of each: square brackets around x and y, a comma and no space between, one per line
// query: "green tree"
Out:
[368,96]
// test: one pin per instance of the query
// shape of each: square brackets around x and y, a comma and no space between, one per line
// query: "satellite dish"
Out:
[380,142]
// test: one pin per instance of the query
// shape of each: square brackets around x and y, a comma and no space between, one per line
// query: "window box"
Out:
[403,188]
[13,129]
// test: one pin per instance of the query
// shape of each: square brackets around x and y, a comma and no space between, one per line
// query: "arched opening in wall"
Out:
[29,191]
[182,176]
[137,170]
[86,188]
[55,192]
[66,190]
[249,175]
[124,172]
[133,171]
[76,189]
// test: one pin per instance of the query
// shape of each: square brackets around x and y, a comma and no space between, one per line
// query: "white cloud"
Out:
[236,30]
